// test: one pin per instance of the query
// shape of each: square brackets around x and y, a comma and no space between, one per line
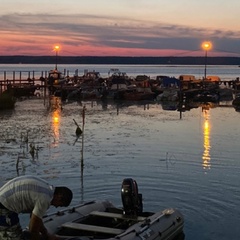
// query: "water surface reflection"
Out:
[55,125]
[167,156]
[206,139]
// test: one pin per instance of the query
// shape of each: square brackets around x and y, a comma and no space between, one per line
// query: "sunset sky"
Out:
[119,27]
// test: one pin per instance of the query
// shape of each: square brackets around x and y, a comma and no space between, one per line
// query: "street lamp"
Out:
[206,46]
[56,49]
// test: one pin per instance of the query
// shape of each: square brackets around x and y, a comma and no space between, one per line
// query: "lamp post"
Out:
[206,46]
[56,49]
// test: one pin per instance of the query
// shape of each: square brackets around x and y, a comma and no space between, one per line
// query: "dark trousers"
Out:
[9,224]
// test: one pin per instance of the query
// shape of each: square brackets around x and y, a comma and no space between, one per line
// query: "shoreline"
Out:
[120,60]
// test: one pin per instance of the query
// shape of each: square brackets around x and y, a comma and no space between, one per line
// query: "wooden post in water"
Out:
[45,91]
[83,123]
[82,164]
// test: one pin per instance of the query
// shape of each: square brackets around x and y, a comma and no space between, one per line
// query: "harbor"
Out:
[119,121]
[189,163]
[185,90]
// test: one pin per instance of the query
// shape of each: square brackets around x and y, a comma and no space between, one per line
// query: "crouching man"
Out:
[29,194]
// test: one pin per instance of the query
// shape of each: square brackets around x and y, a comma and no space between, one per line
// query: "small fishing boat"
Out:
[56,77]
[102,220]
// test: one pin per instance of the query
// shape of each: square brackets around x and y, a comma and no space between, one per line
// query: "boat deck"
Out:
[102,229]
[92,228]
[117,215]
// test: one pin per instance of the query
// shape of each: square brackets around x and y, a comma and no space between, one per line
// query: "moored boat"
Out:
[206,96]
[138,94]
[236,100]
[102,220]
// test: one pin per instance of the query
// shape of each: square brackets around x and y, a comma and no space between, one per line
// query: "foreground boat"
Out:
[102,220]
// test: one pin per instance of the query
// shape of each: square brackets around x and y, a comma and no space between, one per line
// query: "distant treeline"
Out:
[119,60]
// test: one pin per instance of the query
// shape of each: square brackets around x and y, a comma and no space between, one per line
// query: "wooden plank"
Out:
[92,228]
[117,215]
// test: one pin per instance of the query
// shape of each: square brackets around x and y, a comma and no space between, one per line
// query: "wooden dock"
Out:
[21,79]
[21,84]
[27,80]
[24,78]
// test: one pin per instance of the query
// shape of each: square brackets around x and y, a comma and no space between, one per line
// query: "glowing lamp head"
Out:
[206,46]
[56,48]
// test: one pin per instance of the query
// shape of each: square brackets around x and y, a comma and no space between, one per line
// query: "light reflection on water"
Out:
[206,143]
[55,125]
[167,156]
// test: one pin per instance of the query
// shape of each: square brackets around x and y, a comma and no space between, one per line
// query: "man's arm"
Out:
[36,227]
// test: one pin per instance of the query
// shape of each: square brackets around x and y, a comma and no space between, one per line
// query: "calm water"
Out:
[224,72]
[190,163]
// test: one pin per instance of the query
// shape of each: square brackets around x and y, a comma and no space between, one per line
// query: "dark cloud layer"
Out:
[117,33]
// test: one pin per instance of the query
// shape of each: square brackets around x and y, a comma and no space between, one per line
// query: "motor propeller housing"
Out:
[131,199]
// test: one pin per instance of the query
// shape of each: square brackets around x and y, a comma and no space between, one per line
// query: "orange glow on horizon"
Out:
[15,44]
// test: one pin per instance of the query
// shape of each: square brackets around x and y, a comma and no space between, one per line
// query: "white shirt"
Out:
[27,194]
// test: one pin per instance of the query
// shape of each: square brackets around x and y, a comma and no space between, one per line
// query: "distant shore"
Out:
[120,60]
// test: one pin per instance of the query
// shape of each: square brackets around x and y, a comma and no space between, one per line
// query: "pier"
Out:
[22,82]
[24,79]
[21,79]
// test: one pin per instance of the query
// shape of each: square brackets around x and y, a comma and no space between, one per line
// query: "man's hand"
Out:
[53,237]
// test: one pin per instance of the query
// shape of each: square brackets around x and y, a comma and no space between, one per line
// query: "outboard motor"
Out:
[131,199]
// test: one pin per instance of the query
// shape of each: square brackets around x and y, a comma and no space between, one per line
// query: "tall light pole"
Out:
[206,46]
[56,49]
